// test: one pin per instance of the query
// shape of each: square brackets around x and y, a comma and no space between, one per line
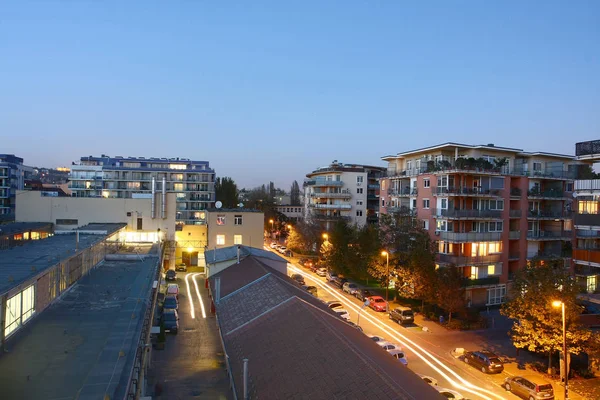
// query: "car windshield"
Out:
[170,300]
[407,313]
[545,388]
[378,300]
[169,317]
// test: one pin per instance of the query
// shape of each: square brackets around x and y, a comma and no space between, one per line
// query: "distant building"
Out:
[343,191]
[292,213]
[135,177]
[12,178]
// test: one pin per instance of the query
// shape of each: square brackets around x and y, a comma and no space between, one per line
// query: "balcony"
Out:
[514,256]
[586,255]
[548,235]
[324,195]
[469,214]
[514,235]
[402,210]
[489,281]
[323,217]
[465,191]
[462,237]
[587,234]
[514,213]
[550,254]
[541,214]
[373,186]
[462,261]
[372,196]
[331,206]
[587,219]
[323,183]
[552,194]
[403,192]
[591,148]
[515,192]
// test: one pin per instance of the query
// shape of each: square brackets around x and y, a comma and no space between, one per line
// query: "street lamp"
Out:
[271,221]
[387,276]
[289,227]
[558,303]
[326,237]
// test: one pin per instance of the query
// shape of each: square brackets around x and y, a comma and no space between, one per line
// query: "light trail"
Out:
[465,386]
[198,294]
[187,283]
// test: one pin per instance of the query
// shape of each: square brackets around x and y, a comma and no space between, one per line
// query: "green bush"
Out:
[585,373]
[454,325]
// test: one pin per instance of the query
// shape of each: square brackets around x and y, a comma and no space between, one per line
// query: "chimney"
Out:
[245,378]
[238,254]
[217,294]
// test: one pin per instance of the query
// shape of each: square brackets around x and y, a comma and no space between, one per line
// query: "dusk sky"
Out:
[270,90]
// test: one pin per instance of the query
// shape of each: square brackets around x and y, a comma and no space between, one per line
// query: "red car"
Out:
[377,303]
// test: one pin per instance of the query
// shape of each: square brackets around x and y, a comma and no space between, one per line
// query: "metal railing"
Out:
[515,192]
[470,236]
[323,217]
[469,213]
[462,167]
[324,195]
[403,192]
[548,214]
[514,213]
[331,206]
[548,235]
[459,260]
[514,255]
[587,234]
[323,182]
[490,280]
[551,194]
[466,191]
[514,235]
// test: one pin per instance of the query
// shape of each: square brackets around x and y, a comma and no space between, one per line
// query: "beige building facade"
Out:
[228,227]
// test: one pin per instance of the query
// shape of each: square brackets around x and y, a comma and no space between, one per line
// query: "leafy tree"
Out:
[295,194]
[450,290]
[367,251]
[304,236]
[537,324]
[586,172]
[336,251]
[226,192]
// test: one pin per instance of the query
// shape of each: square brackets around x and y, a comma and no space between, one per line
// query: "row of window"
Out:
[222,219]
[478,249]
[220,239]
[290,209]
[483,226]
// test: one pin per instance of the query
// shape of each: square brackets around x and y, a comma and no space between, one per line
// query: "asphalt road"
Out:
[428,353]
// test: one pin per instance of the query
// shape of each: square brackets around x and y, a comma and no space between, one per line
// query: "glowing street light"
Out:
[387,276]
[557,304]
[326,237]
[190,249]
[289,226]
[271,221]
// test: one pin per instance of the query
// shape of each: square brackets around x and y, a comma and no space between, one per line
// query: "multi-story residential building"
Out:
[135,177]
[292,213]
[343,191]
[489,208]
[586,252]
[12,178]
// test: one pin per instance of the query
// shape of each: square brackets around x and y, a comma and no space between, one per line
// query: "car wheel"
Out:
[507,387]
[484,370]
[466,360]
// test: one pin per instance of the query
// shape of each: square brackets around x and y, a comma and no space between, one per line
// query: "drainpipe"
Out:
[217,294]
[76,241]
[153,197]
[164,198]
[245,378]
[238,254]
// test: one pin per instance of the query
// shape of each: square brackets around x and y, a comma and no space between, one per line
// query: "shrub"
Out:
[585,373]
[455,325]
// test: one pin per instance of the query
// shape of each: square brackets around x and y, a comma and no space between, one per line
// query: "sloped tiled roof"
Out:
[297,347]
[230,253]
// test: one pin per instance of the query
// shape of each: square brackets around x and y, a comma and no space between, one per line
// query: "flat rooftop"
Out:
[19,263]
[20,227]
[83,346]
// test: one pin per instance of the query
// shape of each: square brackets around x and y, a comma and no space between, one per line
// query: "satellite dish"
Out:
[218,204]
[241,205]
[574,194]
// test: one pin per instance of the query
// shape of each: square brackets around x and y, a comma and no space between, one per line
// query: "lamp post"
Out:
[271,221]
[564,331]
[387,277]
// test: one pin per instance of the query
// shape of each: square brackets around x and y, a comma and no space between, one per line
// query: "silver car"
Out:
[350,288]
[529,387]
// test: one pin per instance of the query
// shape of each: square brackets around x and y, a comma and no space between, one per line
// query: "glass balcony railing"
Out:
[331,206]
[466,191]
[469,236]
[462,260]
[466,214]
[490,280]
[323,183]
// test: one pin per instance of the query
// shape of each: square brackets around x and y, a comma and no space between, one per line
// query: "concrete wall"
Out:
[251,229]
[33,207]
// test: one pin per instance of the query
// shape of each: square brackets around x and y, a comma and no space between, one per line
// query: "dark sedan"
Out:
[170,303]
[170,319]
[363,294]
[486,361]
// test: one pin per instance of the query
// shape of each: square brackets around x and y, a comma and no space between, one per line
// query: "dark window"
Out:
[129,213]
[237,220]
[67,222]
[139,224]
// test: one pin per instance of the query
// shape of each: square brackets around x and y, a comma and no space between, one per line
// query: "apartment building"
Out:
[12,178]
[343,191]
[586,251]
[489,208]
[139,177]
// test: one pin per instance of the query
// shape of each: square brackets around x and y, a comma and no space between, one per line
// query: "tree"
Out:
[226,192]
[295,194]
[304,236]
[335,251]
[537,324]
[450,290]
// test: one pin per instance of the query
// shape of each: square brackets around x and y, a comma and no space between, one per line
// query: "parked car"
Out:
[429,379]
[486,361]
[321,271]
[402,315]
[170,303]
[376,338]
[273,245]
[339,281]
[363,294]
[171,275]
[352,324]
[333,304]
[310,289]
[282,249]
[529,387]
[387,346]
[350,287]
[181,267]
[399,355]
[173,288]
[313,266]
[450,394]
[298,278]
[377,303]
[342,313]
[303,261]
[330,276]
[170,319]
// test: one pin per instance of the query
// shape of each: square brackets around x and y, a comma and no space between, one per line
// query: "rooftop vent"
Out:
[490,144]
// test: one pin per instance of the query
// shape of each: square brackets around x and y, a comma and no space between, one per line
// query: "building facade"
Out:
[343,191]
[292,213]
[12,178]
[135,177]
[586,249]
[490,209]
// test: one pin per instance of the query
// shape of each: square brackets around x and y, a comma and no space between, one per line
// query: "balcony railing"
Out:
[466,191]
[402,210]
[324,195]
[403,192]
[546,194]
[469,214]
[331,206]
[490,280]
[582,233]
[587,219]
[514,255]
[541,214]
[550,235]
[323,217]
[470,236]
[460,261]
[324,183]
[373,186]
[514,235]
[548,254]
[587,255]
[515,192]
[514,213]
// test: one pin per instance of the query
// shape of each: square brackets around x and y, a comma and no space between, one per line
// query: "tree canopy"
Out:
[226,192]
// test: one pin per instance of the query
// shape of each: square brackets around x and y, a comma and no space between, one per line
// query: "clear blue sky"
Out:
[269,90]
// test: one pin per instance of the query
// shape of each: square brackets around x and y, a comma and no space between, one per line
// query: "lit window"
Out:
[587,207]
[177,166]
[237,239]
[178,187]
[220,220]
[220,239]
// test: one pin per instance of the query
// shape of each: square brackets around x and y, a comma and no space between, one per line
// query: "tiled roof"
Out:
[230,253]
[298,348]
